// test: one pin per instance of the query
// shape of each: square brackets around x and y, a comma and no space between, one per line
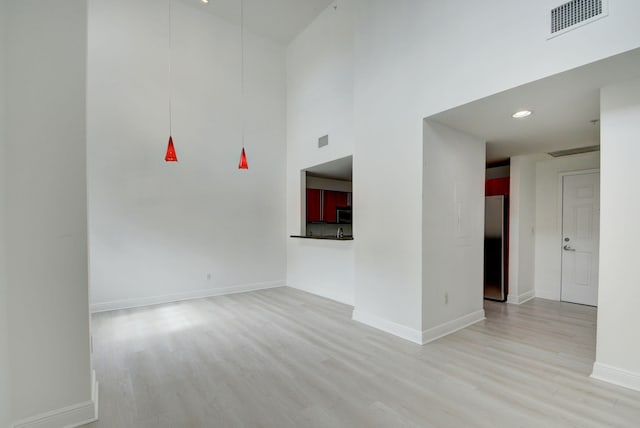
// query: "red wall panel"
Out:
[496,186]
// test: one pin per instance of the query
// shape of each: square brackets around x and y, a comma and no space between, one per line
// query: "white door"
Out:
[580,238]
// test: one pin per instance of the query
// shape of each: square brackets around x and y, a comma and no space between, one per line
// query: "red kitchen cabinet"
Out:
[332,200]
[322,204]
[314,205]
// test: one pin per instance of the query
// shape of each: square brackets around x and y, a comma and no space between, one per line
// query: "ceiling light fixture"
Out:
[522,114]
[243,160]
[205,1]
[243,156]
[170,156]
[171,152]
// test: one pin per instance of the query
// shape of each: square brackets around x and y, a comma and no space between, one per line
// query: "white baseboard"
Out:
[387,326]
[520,299]
[73,416]
[177,297]
[616,376]
[549,295]
[416,336]
[449,327]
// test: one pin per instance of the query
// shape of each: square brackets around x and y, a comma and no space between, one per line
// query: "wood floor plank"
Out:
[285,358]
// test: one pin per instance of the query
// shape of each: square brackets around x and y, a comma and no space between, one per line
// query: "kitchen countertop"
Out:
[326,238]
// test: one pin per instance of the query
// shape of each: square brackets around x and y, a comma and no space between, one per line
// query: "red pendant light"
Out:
[171,152]
[243,156]
[243,160]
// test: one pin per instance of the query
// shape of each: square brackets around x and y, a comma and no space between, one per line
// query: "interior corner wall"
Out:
[453,230]
[522,211]
[320,89]
[409,63]
[44,155]
[548,218]
[5,370]
[618,348]
[163,231]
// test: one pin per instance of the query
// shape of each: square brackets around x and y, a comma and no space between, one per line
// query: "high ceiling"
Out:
[564,107]
[278,20]
[339,169]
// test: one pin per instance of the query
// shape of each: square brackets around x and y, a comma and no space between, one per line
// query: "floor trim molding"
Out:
[616,376]
[72,416]
[522,298]
[416,336]
[387,326]
[177,297]
[452,326]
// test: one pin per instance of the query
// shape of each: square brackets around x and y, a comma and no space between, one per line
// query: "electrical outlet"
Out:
[446,298]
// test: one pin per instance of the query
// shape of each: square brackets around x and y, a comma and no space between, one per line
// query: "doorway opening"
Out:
[496,232]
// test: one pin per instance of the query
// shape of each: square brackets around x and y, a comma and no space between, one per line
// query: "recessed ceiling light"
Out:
[205,1]
[522,114]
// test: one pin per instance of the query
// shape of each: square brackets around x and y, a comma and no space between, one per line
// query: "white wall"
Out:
[388,162]
[5,371]
[411,63]
[453,229]
[522,210]
[618,351]
[46,207]
[412,46]
[408,63]
[157,229]
[548,218]
[323,267]
[320,102]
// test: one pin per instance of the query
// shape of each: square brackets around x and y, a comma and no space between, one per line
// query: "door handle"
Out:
[568,248]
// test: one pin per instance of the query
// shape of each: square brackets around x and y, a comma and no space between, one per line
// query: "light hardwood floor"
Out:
[285,358]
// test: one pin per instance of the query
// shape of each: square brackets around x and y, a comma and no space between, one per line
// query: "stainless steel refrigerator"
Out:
[495,248]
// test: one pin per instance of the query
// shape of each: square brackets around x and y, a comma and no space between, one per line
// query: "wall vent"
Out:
[323,141]
[576,13]
[575,151]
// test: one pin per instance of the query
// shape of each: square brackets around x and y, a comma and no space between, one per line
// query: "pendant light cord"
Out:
[170,61]
[242,112]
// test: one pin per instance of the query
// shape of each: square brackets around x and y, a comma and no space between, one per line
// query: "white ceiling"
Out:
[278,20]
[339,169]
[564,106]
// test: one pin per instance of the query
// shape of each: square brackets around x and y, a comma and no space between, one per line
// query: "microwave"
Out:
[343,215]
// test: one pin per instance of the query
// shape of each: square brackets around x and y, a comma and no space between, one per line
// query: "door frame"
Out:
[561,176]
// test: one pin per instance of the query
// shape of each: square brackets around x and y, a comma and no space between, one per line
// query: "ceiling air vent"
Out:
[323,141]
[576,151]
[576,13]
